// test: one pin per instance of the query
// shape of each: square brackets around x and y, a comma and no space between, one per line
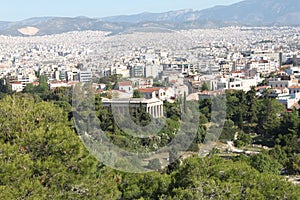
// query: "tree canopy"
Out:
[42,157]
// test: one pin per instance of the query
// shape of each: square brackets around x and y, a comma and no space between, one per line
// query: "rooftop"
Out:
[124,83]
[294,87]
[147,90]
[130,100]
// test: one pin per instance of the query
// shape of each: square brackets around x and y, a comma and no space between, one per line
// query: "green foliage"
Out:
[145,186]
[140,116]
[42,89]
[137,94]
[246,113]
[270,116]
[154,164]
[42,158]
[205,108]
[253,106]
[243,140]
[204,87]
[290,123]
[173,110]
[59,94]
[236,106]
[29,88]
[278,154]
[5,86]
[228,131]
[293,164]
[202,119]
[264,163]
[204,178]
[110,81]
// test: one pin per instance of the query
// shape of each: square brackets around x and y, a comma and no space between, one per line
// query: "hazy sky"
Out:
[11,10]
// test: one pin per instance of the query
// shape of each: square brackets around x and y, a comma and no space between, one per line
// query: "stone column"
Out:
[161,111]
[152,111]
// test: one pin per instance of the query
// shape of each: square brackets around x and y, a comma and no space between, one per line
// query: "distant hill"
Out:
[56,25]
[170,16]
[256,12]
[248,12]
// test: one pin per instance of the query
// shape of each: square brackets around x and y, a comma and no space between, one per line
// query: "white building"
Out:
[278,82]
[125,86]
[289,100]
[152,106]
[150,93]
[294,89]
[17,86]
[152,71]
[262,66]
[57,84]
[85,76]
[234,83]
[142,82]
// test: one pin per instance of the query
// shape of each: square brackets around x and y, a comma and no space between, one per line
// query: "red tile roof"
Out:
[124,83]
[35,83]
[58,82]
[294,87]
[262,87]
[16,82]
[236,72]
[148,90]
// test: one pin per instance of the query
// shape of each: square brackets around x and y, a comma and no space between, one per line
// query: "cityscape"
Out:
[238,60]
[180,105]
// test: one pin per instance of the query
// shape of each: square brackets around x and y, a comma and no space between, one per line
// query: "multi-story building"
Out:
[137,71]
[152,71]
[235,83]
[294,89]
[85,76]
[283,82]
[262,66]
[142,82]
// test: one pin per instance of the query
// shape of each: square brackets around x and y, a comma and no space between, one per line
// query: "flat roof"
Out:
[130,100]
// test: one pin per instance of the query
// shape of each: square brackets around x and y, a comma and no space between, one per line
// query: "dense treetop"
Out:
[42,157]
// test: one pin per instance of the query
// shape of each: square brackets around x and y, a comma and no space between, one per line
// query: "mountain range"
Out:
[244,13]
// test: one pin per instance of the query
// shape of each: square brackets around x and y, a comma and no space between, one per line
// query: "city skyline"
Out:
[19,10]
